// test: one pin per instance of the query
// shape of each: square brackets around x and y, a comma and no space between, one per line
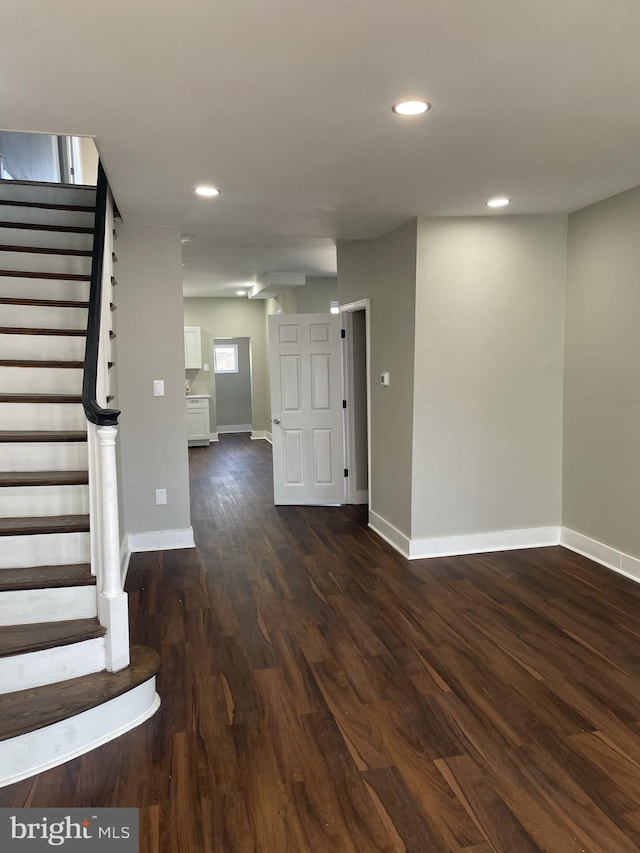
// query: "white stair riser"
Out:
[42,216]
[40,750]
[44,288]
[42,238]
[46,549]
[42,416]
[53,194]
[43,456]
[44,317]
[26,607]
[41,380]
[25,501]
[49,666]
[57,347]
[36,262]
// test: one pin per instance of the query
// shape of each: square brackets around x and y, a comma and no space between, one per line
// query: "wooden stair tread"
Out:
[34,330]
[44,478]
[40,398]
[20,639]
[55,276]
[29,710]
[43,205]
[31,526]
[39,226]
[46,250]
[56,185]
[47,303]
[24,362]
[42,435]
[46,577]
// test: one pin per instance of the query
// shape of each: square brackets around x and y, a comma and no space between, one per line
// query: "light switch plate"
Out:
[158,387]
[161,497]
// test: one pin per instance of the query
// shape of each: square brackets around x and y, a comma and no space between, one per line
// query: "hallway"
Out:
[321,694]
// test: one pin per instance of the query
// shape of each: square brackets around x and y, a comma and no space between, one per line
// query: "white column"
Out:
[112,600]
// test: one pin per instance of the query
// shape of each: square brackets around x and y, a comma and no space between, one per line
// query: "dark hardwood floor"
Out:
[322,694]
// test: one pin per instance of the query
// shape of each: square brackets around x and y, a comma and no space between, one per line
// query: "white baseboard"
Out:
[213,436]
[471,543]
[260,435]
[396,538]
[269,437]
[234,428]
[479,543]
[161,540]
[623,564]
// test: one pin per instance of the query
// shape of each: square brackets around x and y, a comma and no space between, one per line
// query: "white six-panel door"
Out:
[305,361]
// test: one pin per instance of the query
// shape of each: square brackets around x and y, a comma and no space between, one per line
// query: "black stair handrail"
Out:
[95,413]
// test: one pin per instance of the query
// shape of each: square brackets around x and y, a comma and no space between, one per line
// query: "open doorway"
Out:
[232,377]
[357,394]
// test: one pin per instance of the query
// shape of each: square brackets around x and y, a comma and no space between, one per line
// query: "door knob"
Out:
[276,420]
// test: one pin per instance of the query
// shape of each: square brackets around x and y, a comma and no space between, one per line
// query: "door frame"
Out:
[214,388]
[347,309]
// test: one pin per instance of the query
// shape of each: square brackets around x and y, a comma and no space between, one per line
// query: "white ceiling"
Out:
[285,105]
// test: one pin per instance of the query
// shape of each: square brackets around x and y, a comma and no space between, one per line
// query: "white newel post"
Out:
[112,599]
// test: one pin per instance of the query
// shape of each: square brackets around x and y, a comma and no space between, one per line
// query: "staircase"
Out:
[68,681]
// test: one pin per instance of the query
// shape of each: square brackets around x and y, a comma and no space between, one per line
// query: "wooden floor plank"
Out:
[322,694]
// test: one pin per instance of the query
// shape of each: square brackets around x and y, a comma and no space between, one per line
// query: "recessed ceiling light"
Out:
[241,293]
[411,108]
[207,191]
[498,202]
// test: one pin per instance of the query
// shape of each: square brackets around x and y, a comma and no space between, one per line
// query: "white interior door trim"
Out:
[348,308]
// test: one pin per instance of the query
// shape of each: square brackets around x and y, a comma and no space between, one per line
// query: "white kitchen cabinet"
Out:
[192,348]
[198,420]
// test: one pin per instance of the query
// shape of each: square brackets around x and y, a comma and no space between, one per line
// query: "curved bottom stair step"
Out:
[28,710]
[44,727]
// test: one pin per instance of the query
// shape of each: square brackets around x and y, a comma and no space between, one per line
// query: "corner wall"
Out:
[385,271]
[487,428]
[602,381]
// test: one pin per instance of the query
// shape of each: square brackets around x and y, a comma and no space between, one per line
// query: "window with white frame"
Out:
[225,358]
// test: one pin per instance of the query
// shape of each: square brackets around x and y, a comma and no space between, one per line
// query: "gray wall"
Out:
[153,432]
[602,380]
[385,270]
[222,318]
[487,440]
[233,390]
[315,296]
